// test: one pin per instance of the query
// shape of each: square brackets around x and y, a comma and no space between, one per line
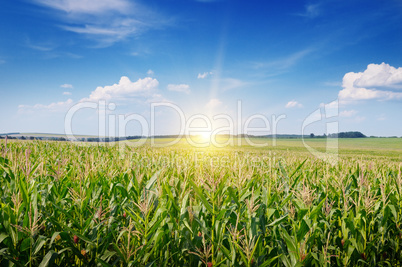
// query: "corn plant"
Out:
[65,204]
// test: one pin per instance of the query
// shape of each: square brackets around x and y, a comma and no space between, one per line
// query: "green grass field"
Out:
[82,204]
[390,148]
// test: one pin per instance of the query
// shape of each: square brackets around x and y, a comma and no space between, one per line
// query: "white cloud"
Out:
[284,63]
[382,75]
[54,107]
[107,34]
[183,88]
[42,48]
[66,85]
[87,6]
[312,11]
[106,21]
[213,103]
[150,72]
[232,83]
[293,104]
[347,113]
[204,75]
[378,81]
[143,90]
[125,89]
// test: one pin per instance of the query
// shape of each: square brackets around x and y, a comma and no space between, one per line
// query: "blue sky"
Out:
[277,57]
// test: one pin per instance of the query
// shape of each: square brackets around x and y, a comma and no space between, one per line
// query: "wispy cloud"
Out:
[141,52]
[43,47]
[66,85]
[333,84]
[284,63]
[53,107]
[226,84]
[66,93]
[49,49]
[106,21]
[88,6]
[293,104]
[311,11]
[183,88]
[213,103]
[150,72]
[61,54]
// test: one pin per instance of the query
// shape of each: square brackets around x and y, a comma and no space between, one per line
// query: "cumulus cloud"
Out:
[204,75]
[66,85]
[382,75]
[213,103]
[183,88]
[293,104]
[66,93]
[53,107]
[124,89]
[378,81]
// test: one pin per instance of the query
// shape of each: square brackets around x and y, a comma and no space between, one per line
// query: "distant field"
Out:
[368,147]
[390,148]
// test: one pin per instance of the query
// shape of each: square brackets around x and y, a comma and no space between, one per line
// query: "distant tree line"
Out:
[347,135]
[340,135]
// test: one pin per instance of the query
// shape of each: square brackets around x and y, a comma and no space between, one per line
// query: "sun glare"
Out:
[205,135]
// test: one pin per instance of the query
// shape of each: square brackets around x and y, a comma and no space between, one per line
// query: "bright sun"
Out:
[205,135]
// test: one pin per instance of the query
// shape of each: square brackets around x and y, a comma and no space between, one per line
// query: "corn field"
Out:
[65,204]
